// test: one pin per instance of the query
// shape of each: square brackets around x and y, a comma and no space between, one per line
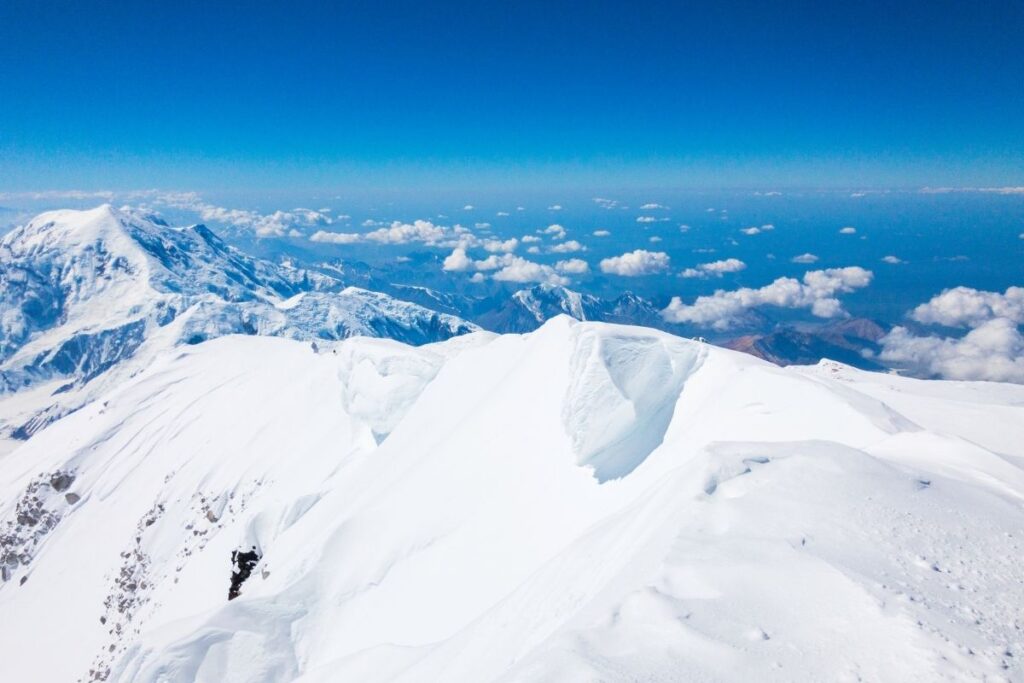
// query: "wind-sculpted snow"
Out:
[84,291]
[622,394]
[584,502]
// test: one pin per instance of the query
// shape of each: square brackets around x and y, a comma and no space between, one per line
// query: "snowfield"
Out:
[587,502]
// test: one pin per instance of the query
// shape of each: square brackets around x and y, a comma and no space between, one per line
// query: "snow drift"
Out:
[586,502]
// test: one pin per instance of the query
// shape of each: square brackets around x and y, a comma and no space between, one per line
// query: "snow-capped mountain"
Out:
[84,291]
[587,502]
[527,309]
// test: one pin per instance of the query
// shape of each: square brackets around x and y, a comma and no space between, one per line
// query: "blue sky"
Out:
[509,96]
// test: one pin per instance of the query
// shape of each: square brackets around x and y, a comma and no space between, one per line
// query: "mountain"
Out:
[585,502]
[84,291]
[843,340]
[527,309]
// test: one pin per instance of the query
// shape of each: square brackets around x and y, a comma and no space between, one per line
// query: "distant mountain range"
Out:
[85,292]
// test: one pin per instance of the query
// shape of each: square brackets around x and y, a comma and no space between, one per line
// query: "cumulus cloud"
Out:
[468,207]
[848,230]
[715,268]
[556,231]
[805,258]
[653,206]
[967,307]
[555,207]
[518,269]
[403,233]
[502,213]
[606,203]
[654,239]
[505,246]
[276,224]
[993,351]
[335,237]
[567,247]
[574,266]
[605,233]
[636,263]
[650,219]
[531,238]
[753,230]
[457,261]
[817,292]
[892,260]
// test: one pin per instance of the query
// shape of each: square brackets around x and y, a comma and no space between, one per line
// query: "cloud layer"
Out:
[817,292]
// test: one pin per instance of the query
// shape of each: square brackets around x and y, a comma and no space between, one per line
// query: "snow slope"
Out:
[587,502]
[82,292]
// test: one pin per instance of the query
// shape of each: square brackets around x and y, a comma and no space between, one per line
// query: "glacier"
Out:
[585,502]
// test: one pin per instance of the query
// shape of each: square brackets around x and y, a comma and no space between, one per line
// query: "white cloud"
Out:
[650,219]
[605,233]
[335,237]
[403,233]
[482,226]
[533,250]
[606,203]
[567,247]
[754,230]
[715,268]
[477,277]
[993,351]
[457,261]
[500,246]
[556,231]
[276,224]
[573,266]
[555,207]
[369,223]
[636,263]
[520,208]
[683,227]
[892,260]
[520,270]
[654,239]
[468,207]
[848,230]
[767,227]
[817,291]
[652,206]
[805,258]
[530,238]
[502,213]
[967,307]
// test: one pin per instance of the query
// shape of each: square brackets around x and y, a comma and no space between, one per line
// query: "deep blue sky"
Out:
[297,95]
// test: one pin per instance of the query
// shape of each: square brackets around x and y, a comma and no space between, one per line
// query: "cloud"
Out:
[520,270]
[654,239]
[650,219]
[276,224]
[967,307]
[993,351]
[636,263]
[683,227]
[502,246]
[533,250]
[509,268]
[335,237]
[606,203]
[502,213]
[715,268]
[805,258]
[567,247]
[605,233]
[457,261]
[530,238]
[991,190]
[817,292]
[754,230]
[892,260]
[848,230]
[573,266]
[403,233]
[468,207]
[653,206]
[555,207]
[556,231]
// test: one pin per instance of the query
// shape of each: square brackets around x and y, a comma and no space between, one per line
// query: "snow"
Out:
[585,502]
[102,293]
